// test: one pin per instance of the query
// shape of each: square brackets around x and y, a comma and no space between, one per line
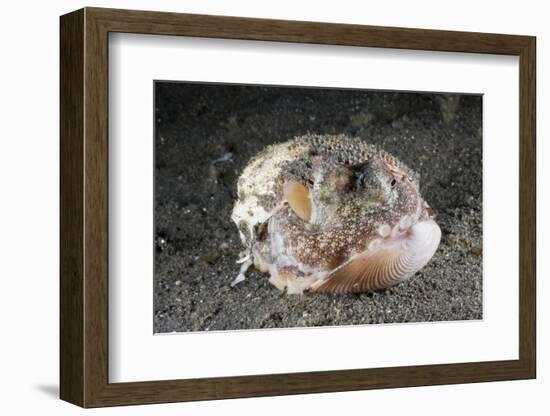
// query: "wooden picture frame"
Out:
[84,207]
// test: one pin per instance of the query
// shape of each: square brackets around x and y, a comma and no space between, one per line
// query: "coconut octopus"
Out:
[331,213]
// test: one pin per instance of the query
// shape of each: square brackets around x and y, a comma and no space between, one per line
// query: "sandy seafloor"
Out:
[205,135]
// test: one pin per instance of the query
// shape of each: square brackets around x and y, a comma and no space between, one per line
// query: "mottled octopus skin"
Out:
[325,213]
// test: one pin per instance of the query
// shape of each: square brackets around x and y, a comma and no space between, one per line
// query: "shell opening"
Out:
[298,198]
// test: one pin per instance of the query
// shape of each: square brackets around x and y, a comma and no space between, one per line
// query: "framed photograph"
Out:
[254,207]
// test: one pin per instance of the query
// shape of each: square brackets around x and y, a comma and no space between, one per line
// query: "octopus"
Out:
[332,214]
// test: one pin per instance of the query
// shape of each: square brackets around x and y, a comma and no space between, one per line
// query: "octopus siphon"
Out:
[332,214]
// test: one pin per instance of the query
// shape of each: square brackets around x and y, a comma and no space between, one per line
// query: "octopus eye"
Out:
[298,198]
[393,181]
[361,180]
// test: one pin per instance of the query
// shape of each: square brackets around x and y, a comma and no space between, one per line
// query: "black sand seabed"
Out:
[205,135]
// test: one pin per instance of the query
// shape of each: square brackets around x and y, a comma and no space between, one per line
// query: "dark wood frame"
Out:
[84,209]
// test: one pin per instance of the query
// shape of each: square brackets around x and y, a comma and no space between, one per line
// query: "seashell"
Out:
[325,213]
